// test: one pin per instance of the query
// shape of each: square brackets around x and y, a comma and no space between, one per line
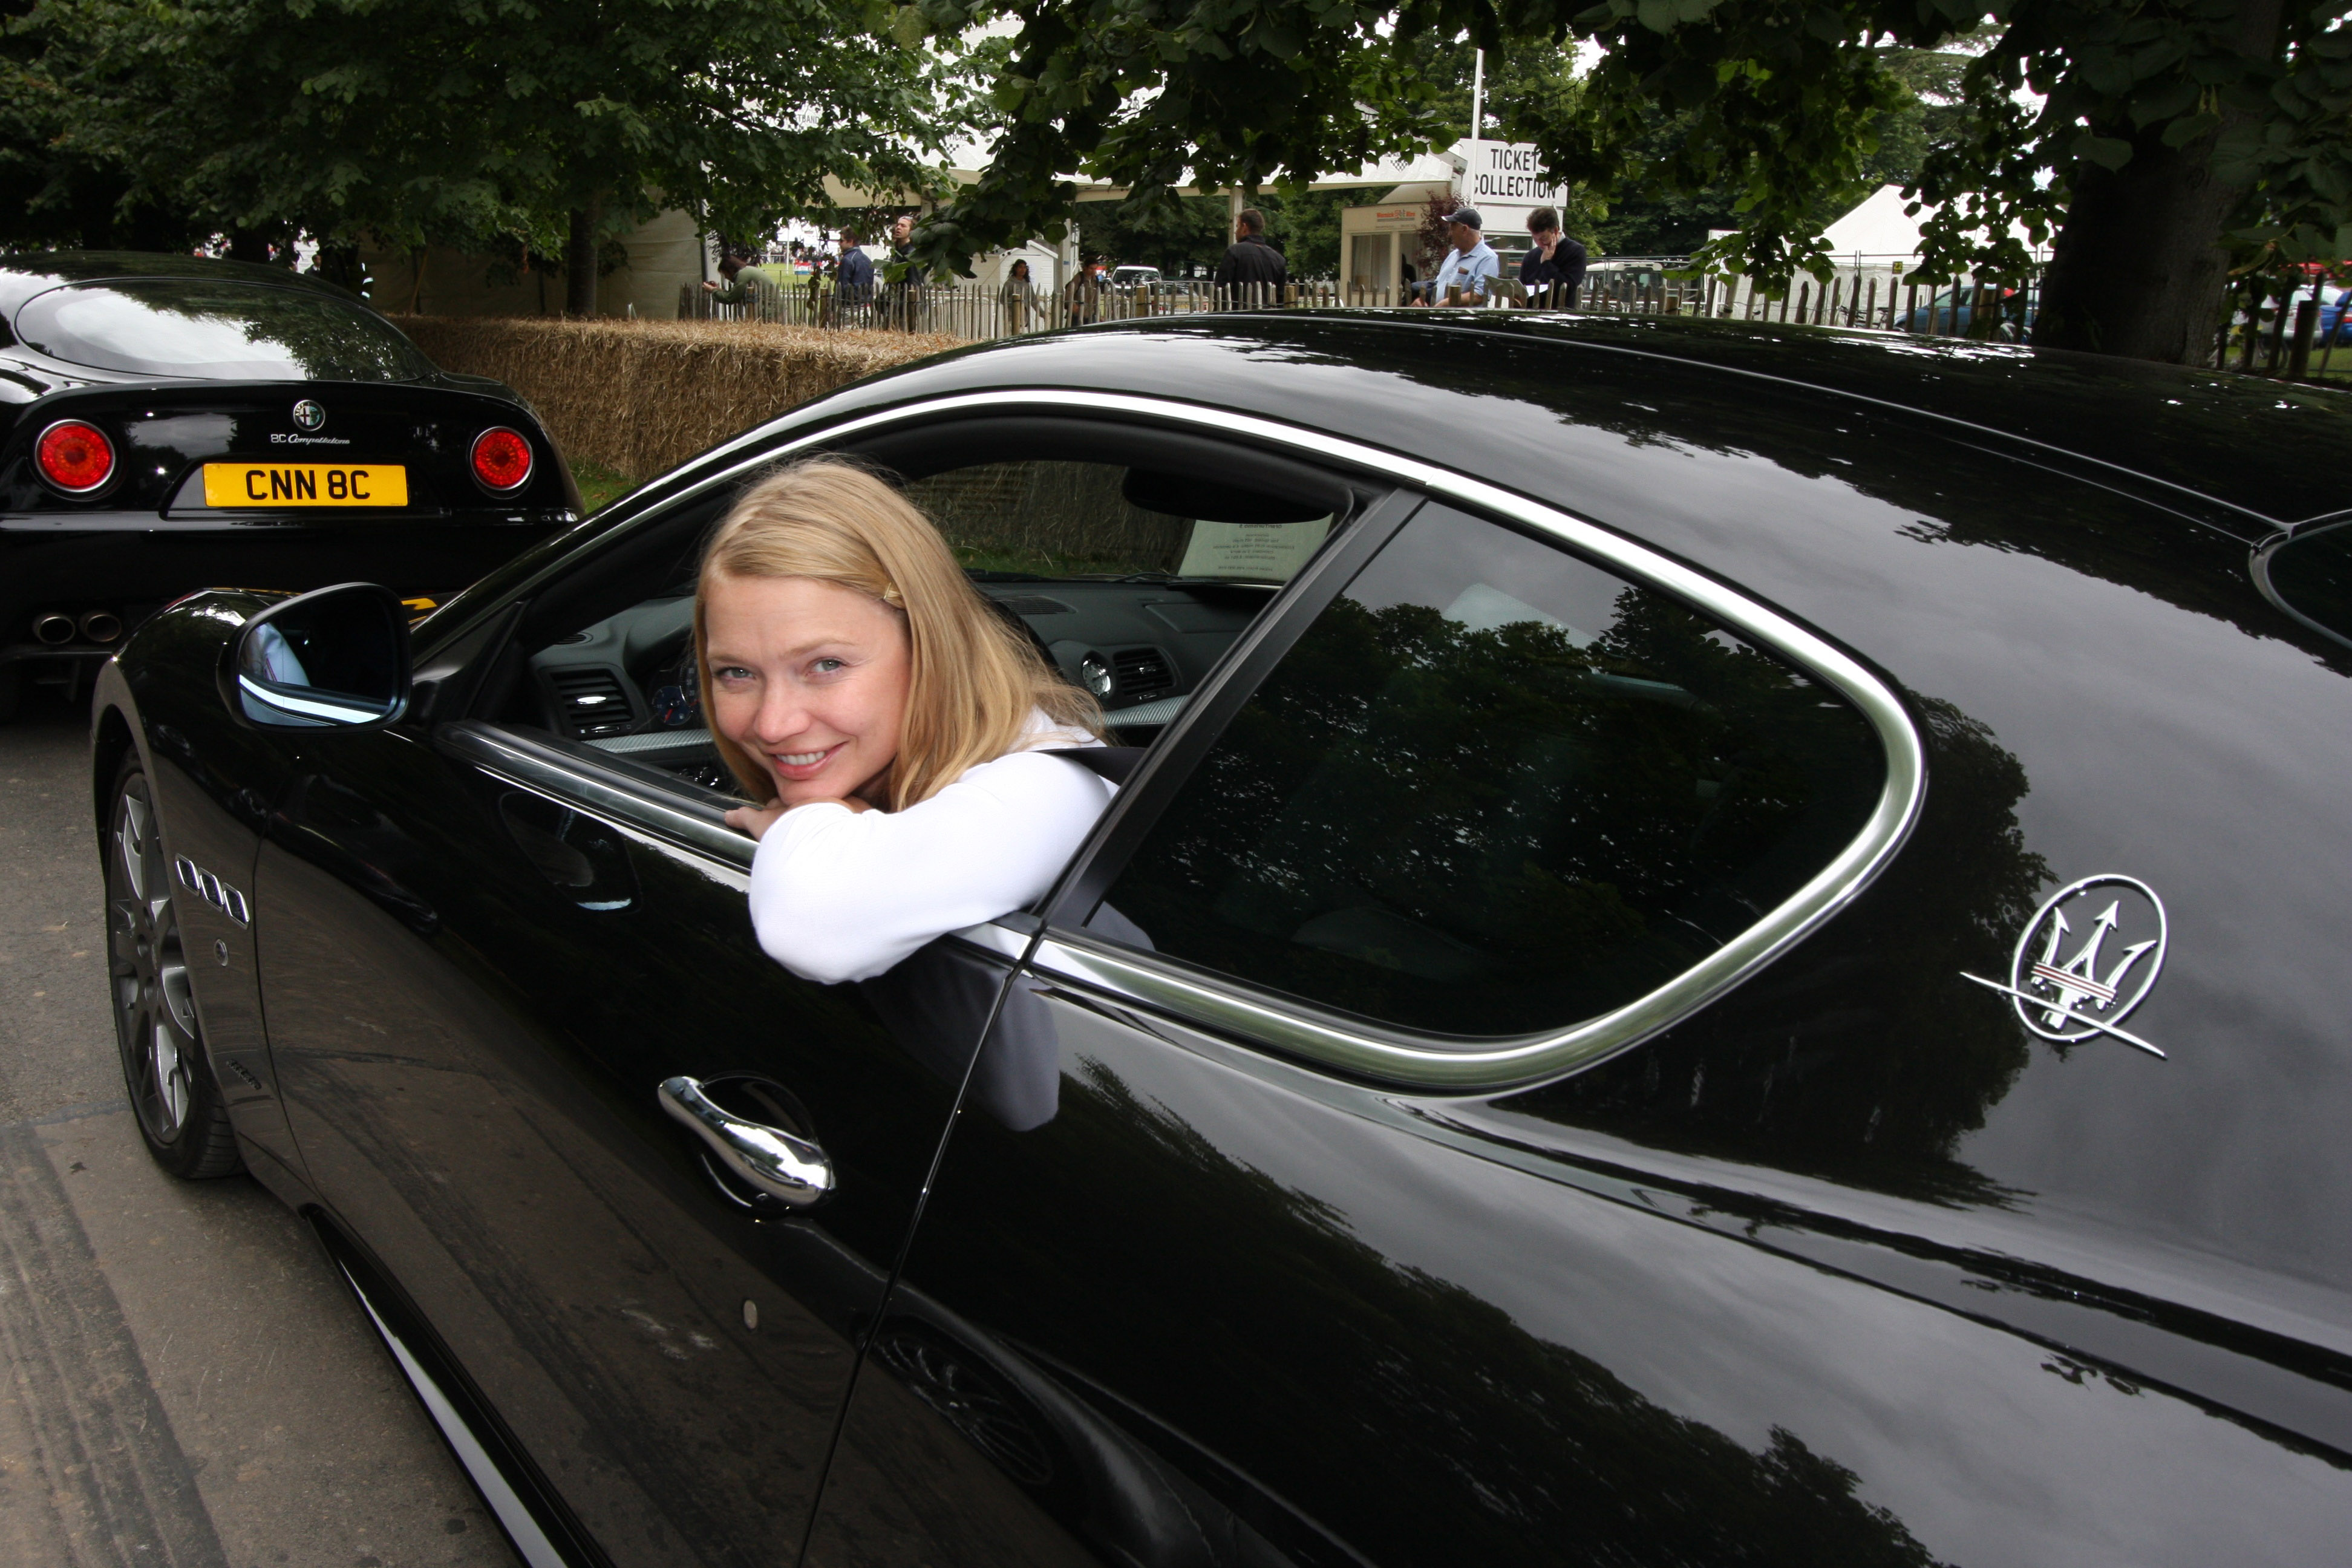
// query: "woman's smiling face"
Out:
[808,678]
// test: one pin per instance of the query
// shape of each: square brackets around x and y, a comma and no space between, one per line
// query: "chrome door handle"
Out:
[786,1167]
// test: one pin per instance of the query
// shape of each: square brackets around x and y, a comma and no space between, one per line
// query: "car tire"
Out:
[158,1033]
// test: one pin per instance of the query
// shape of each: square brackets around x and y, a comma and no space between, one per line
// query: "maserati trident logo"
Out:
[309,414]
[2072,978]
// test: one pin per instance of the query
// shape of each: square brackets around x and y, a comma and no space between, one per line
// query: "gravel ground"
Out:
[183,1379]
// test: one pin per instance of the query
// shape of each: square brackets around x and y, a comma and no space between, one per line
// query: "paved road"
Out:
[183,1379]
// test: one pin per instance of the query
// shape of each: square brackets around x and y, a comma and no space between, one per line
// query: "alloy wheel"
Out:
[156,1020]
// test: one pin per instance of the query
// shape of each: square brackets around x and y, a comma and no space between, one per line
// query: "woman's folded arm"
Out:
[839,895]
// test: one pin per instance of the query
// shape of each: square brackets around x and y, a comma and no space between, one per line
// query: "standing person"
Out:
[854,278]
[1553,268]
[1468,265]
[1086,292]
[903,285]
[1252,263]
[1019,298]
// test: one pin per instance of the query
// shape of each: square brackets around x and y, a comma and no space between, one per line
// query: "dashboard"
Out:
[1142,646]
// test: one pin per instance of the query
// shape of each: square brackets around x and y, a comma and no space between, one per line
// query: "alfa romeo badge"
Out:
[2085,960]
[309,414]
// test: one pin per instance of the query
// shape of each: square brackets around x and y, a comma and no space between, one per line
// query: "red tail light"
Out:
[501,459]
[75,457]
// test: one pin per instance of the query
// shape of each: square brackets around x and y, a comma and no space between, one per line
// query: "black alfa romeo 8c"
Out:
[168,423]
[1724,949]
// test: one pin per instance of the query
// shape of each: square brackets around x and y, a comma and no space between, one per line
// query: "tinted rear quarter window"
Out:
[216,329]
[2311,575]
[1495,790]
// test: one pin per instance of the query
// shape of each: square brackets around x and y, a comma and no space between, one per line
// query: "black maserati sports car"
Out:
[1719,952]
[169,422]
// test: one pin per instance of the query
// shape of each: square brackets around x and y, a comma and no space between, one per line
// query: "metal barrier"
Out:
[976,312]
[1885,297]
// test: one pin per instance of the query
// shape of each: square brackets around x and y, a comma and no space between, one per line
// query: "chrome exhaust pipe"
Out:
[102,626]
[53,627]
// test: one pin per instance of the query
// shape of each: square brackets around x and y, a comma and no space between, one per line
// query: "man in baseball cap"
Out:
[1468,265]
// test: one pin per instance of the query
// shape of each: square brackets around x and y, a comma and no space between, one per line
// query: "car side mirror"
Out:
[331,658]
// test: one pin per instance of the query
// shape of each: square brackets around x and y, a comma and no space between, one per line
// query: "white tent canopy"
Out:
[1879,228]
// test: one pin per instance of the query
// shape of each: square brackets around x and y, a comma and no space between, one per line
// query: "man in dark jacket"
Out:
[855,280]
[1252,258]
[904,286]
[1553,268]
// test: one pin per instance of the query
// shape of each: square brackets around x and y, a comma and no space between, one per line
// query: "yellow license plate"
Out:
[250,485]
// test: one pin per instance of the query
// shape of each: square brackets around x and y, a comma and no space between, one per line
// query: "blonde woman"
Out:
[889,719]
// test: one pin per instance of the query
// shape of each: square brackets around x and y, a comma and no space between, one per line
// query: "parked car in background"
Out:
[169,422]
[1725,948]
[1133,280]
[1952,312]
[2334,325]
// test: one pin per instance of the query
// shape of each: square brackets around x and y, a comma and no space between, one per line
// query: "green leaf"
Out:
[2188,127]
[2107,152]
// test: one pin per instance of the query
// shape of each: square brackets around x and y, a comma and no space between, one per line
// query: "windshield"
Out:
[223,330]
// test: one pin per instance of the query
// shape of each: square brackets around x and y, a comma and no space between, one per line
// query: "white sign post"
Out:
[1505,181]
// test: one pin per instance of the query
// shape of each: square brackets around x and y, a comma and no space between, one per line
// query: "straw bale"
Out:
[642,397]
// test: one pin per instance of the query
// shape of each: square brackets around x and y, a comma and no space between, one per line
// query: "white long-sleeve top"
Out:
[842,895]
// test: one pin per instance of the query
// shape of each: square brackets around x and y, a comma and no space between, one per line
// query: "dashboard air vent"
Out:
[1035,604]
[593,702]
[1141,674]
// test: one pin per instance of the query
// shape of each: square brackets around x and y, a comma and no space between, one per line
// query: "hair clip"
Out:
[890,596]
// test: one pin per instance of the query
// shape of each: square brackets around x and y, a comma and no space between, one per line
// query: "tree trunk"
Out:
[248,245]
[2138,267]
[580,259]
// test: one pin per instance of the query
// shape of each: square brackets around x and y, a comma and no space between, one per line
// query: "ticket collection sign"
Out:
[1505,181]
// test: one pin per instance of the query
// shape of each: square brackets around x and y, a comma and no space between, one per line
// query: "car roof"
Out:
[24,274]
[1497,387]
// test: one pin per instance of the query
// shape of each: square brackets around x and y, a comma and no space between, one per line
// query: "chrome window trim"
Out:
[1293,1028]
[2258,566]
[519,762]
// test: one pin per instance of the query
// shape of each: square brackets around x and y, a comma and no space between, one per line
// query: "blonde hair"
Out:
[975,679]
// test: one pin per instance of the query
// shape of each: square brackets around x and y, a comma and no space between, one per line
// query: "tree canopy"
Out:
[2159,145]
[2168,138]
[500,125]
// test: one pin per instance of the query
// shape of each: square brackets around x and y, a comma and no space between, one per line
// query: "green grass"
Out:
[600,487]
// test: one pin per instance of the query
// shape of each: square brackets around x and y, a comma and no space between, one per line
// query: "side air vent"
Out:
[593,702]
[1035,604]
[1141,674]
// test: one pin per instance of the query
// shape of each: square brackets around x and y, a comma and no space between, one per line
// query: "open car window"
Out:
[1131,580]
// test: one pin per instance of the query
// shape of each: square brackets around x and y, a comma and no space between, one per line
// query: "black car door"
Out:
[485,951]
[506,941]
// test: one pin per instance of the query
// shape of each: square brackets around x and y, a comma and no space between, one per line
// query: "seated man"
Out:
[1468,265]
